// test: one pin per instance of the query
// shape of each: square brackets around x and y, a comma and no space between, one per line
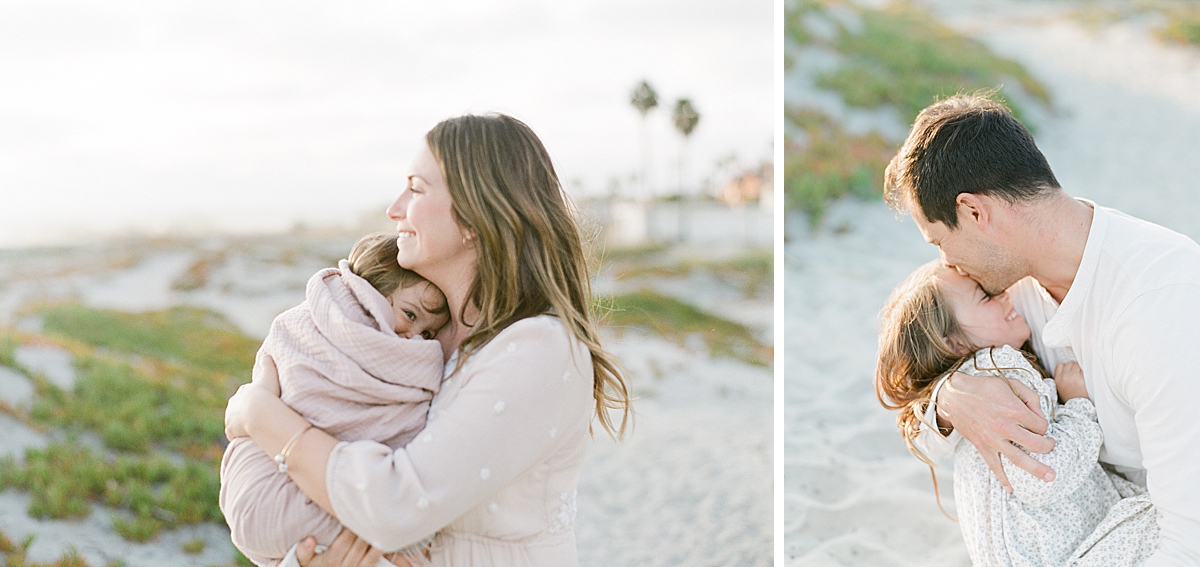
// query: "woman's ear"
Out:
[957,345]
[468,237]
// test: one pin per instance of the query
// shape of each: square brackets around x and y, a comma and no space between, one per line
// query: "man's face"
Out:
[968,250]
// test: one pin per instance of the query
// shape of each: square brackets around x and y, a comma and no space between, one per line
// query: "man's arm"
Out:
[994,413]
[1156,370]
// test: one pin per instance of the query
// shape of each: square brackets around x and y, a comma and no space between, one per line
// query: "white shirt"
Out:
[1132,316]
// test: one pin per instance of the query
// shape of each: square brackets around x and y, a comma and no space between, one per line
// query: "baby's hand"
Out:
[1068,377]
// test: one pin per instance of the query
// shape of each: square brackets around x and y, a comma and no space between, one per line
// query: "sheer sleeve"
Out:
[513,403]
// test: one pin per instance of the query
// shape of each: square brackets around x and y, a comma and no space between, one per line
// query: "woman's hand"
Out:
[1068,378]
[347,550]
[250,398]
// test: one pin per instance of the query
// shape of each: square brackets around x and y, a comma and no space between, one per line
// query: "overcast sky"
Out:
[154,116]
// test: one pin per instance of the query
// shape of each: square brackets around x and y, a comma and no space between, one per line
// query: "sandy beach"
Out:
[1123,130]
[690,485]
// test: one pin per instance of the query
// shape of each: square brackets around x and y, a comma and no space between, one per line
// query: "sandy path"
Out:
[1125,133]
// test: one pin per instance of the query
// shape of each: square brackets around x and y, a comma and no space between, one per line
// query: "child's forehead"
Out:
[423,293]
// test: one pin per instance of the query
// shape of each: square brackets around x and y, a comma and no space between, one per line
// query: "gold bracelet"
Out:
[282,457]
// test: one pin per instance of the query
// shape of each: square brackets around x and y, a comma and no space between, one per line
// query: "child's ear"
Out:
[959,347]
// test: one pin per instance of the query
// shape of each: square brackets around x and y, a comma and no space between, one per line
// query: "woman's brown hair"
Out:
[531,259]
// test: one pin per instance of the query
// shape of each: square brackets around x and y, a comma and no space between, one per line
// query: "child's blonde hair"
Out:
[373,258]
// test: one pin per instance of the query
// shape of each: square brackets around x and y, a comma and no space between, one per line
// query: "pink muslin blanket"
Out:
[342,366]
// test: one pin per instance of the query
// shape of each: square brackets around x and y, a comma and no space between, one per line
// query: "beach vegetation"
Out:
[66,478]
[197,275]
[15,555]
[677,321]
[1183,25]
[828,163]
[135,408]
[150,408]
[752,271]
[186,334]
[904,57]
[193,546]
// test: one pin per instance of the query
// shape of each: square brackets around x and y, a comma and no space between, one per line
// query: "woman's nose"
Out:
[399,207]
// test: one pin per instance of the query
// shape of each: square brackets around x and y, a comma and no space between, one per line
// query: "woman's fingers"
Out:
[371,558]
[356,556]
[235,412]
[348,550]
[398,559]
[266,374]
[306,553]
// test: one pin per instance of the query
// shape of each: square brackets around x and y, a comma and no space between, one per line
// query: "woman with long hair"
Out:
[492,477]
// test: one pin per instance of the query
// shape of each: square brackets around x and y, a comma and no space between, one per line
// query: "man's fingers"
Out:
[993,462]
[1031,441]
[1029,464]
[1036,423]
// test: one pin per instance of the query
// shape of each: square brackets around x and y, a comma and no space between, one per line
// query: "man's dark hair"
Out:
[965,144]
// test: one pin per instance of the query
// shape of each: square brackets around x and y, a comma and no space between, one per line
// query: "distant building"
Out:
[755,185]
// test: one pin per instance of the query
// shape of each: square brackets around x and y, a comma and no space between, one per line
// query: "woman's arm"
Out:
[256,410]
[523,395]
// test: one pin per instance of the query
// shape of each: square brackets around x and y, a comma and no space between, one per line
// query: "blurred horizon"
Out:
[152,119]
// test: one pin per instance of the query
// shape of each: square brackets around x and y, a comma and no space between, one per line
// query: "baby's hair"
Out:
[914,327]
[373,258]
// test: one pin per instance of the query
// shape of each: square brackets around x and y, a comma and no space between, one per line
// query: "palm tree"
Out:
[644,99]
[685,118]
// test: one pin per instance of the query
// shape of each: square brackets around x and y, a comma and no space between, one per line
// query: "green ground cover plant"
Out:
[14,555]
[148,388]
[830,164]
[1181,18]
[67,477]
[136,408]
[901,56]
[677,320]
[1183,25]
[906,58]
[753,271]
[186,334]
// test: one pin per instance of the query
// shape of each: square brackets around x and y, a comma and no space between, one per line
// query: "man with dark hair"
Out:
[1117,294]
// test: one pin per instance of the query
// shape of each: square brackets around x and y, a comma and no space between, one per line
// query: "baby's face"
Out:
[412,306]
[986,320]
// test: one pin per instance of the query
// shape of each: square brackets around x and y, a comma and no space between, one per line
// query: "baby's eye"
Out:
[428,335]
[411,316]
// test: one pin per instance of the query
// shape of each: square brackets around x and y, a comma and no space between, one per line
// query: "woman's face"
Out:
[985,320]
[430,240]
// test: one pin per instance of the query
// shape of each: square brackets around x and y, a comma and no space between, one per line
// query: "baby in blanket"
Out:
[355,360]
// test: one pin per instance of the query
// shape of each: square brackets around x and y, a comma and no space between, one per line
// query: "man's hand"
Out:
[994,413]
[1068,378]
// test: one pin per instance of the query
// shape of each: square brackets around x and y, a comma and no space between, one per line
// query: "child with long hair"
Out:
[938,323]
